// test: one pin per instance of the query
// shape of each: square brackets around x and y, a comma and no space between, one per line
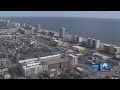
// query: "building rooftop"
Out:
[107,44]
[28,60]
[103,56]
[42,60]
[72,55]
[57,40]
[53,60]
[78,47]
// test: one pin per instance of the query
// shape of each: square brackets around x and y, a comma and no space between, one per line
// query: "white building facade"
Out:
[34,66]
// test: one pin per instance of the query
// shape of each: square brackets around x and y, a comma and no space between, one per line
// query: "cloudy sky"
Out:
[97,14]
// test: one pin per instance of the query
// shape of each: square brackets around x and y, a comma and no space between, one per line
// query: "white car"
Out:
[115,78]
[112,78]
[93,63]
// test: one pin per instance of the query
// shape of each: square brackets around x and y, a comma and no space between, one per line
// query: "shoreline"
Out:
[118,45]
[85,37]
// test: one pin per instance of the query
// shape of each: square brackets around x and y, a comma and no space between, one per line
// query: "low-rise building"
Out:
[30,66]
[107,48]
[3,62]
[103,57]
[117,57]
[117,50]
[58,42]
[69,51]
[7,76]
[68,37]
[74,59]
[56,34]
[3,71]
[113,62]
[47,64]
[79,69]
[111,49]
[55,65]
[78,48]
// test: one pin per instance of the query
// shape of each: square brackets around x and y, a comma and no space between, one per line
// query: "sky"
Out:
[96,14]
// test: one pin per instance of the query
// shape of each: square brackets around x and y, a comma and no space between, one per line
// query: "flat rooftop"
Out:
[78,47]
[53,60]
[45,60]
[106,44]
[101,55]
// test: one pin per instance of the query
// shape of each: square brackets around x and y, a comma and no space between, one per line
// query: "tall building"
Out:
[76,39]
[80,39]
[97,44]
[94,43]
[107,48]
[112,49]
[18,25]
[8,21]
[38,28]
[62,33]
[101,46]
[22,25]
[51,34]
[89,42]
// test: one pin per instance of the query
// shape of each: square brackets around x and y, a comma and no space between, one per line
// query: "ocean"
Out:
[106,30]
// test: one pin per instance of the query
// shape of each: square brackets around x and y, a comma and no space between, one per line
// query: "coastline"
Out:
[70,33]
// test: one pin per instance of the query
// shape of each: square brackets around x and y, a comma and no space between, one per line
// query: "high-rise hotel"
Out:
[62,33]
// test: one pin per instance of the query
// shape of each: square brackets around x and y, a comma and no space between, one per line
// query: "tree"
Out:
[78,77]
[45,49]
[2,55]
[106,77]
[28,77]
